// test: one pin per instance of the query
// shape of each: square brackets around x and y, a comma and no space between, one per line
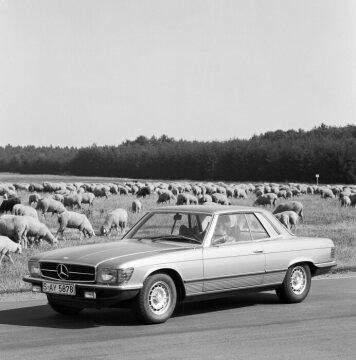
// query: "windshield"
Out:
[180,227]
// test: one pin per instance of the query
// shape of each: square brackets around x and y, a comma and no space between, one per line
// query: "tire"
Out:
[157,299]
[62,309]
[296,284]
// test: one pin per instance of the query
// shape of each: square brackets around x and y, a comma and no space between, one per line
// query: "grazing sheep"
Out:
[240,193]
[295,206]
[59,197]
[14,227]
[88,198]
[8,204]
[136,206]
[292,218]
[327,193]
[345,201]
[144,191]
[115,219]
[204,199]
[186,199]
[37,231]
[48,204]
[23,210]
[266,199]
[73,220]
[220,198]
[7,246]
[73,200]
[101,192]
[283,219]
[166,196]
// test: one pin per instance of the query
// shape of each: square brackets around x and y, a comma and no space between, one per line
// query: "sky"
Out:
[74,73]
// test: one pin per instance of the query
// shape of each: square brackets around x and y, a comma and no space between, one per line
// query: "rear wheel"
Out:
[62,309]
[157,299]
[296,284]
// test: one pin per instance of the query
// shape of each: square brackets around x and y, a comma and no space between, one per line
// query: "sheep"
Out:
[295,206]
[345,201]
[166,196]
[23,210]
[73,200]
[220,198]
[73,220]
[88,198]
[115,219]
[186,199]
[204,199]
[14,227]
[7,246]
[101,192]
[240,193]
[136,206]
[38,231]
[283,219]
[48,204]
[58,197]
[144,191]
[8,204]
[266,199]
[293,218]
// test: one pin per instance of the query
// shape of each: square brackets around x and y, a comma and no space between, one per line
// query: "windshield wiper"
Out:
[174,237]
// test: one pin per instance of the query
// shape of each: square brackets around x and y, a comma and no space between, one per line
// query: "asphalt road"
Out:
[253,326]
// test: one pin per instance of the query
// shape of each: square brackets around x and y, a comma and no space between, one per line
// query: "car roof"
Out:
[207,209]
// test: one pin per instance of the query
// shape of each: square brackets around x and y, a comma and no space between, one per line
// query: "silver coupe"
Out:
[181,253]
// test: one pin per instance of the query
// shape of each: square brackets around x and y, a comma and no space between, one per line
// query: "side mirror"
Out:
[177,217]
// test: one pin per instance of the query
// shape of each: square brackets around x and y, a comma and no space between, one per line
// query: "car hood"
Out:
[122,250]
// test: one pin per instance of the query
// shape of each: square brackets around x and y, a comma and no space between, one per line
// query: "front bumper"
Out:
[106,295]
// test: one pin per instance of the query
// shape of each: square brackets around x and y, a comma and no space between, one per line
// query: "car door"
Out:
[235,264]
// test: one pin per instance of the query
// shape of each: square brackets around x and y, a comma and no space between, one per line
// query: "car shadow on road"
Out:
[226,303]
[44,316]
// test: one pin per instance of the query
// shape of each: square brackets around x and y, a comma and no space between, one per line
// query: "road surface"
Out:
[253,326]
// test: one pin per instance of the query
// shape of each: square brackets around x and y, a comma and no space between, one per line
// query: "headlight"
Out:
[124,275]
[34,268]
[114,276]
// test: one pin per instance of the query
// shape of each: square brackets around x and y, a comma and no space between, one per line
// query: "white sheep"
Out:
[292,221]
[136,206]
[14,227]
[38,231]
[23,210]
[115,219]
[73,220]
[7,246]
[88,198]
[48,204]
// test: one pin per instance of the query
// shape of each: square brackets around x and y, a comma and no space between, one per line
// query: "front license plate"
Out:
[58,288]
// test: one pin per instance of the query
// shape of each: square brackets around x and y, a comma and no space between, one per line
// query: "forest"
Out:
[278,156]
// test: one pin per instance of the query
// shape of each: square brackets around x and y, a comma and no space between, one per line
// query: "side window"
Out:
[271,229]
[231,229]
[257,230]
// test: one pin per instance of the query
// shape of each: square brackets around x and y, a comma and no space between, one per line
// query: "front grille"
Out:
[80,273]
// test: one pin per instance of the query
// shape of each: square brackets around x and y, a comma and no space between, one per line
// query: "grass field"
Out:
[323,218]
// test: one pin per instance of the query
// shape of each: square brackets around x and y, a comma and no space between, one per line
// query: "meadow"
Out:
[322,218]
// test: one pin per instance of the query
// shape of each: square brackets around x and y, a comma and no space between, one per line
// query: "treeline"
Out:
[274,156]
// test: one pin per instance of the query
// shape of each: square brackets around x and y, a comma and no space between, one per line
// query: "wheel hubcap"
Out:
[159,298]
[298,280]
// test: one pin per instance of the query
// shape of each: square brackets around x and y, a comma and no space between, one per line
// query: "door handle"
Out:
[257,251]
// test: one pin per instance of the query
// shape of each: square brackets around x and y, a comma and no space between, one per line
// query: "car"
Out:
[182,253]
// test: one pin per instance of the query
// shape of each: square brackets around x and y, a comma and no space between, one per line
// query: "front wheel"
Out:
[296,284]
[62,309]
[157,299]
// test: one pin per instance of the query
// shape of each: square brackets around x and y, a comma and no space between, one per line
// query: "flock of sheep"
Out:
[23,227]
